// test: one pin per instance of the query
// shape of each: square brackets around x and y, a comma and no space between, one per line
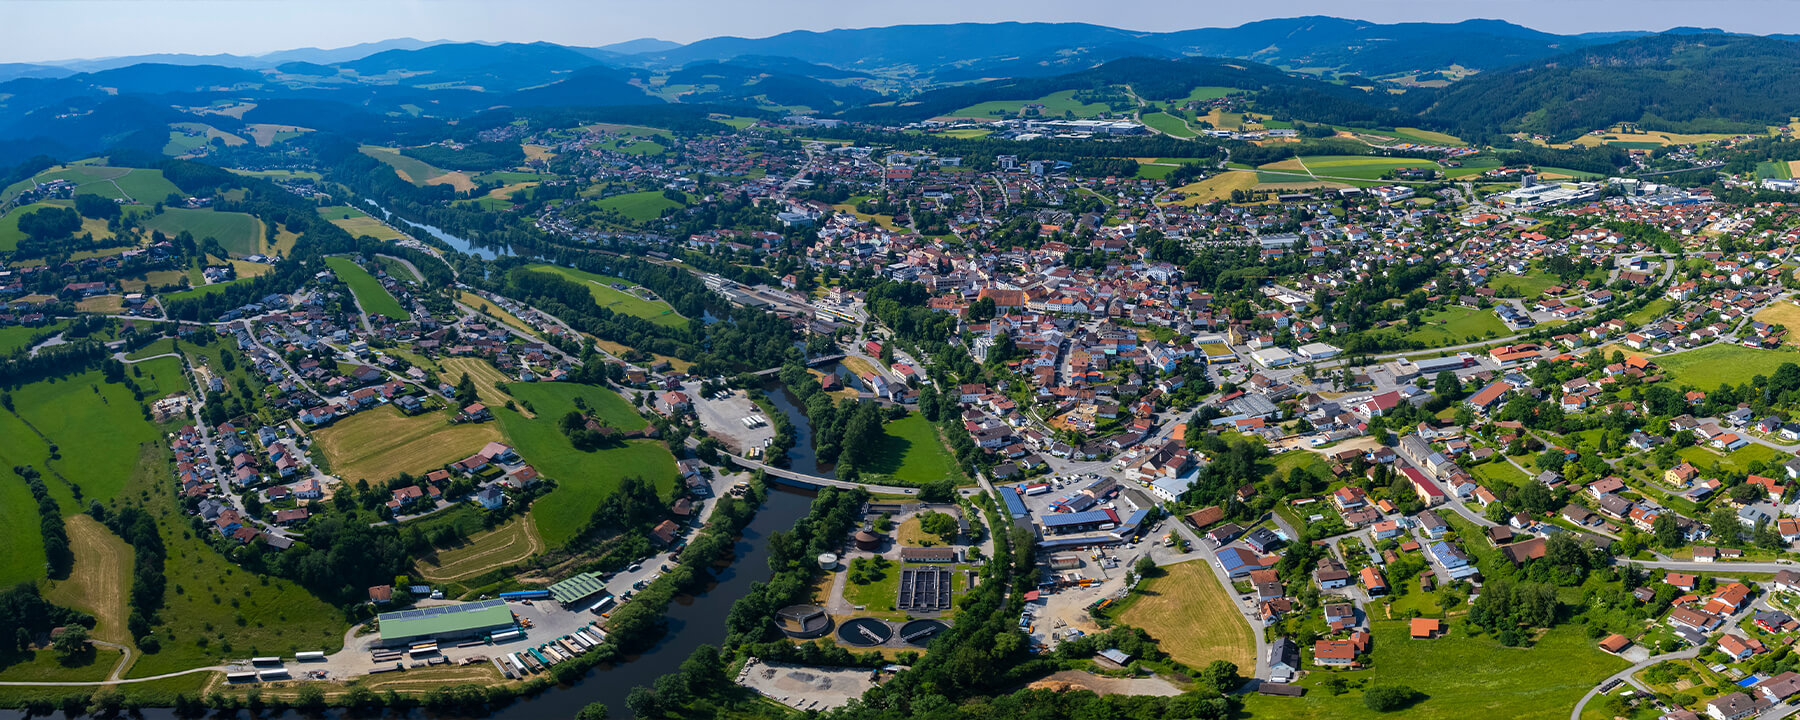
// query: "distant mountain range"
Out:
[1319,69]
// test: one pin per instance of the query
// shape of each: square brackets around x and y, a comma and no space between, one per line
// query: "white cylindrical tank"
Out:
[828,561]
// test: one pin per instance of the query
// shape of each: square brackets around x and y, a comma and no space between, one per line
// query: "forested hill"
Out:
[1693,83]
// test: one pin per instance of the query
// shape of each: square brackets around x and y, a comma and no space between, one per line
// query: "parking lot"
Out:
[723,418]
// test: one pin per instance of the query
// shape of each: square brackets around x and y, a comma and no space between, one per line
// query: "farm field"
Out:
[101,579]
[96,432]
[1647,140]
[374,298]
[266,134]
[23,560]
[639,206]
[208,596]
[1454,325]
[1408,134]
[1786,314]
[583,479]
[510,543]
[1167,124]
[485,307]
[1055,104]
[17,337]
[912,454]
[378,444]
[1713,365]
[410,169]
[1207,92]
[1193,618]
[1773,169]
[601,402]
[618,301]
[1215,188]
[10,236]
[1350,166]
[282,174]
[480,372]
[238,233]
[1489,680]
[359,223]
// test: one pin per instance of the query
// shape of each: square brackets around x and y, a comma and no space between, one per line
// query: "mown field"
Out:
[1191,616]
[583,479]
[240,234]
[482,305]
[1167,124]
[510,543]
[1455,325]
[100,581]
[378,444]
[1055,105]
[1712,365]
[639,206]
[410,169]
[359,223]
[95,427]
[374,298]
[1216,188]
[618,301]
[483,374]
[912,454]
[1461,677]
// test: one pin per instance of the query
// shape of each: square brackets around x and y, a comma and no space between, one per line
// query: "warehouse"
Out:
[445,622]
[572,591]
[1065,523]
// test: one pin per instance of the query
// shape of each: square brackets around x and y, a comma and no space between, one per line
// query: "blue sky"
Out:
[45,30]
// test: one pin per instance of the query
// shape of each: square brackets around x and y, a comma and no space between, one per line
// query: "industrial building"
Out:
[573,590]
[445,622]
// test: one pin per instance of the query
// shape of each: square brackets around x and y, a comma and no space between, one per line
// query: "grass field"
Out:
[1216,188]
[601,402]
[1498,473]
[282,174]
[23,560]
[1655,308]
[482,373]
[1461,677]
[1207,92]
[1055,105]
[1710,366]
[101,579]
[1647,140]
[583,479]
[1192,617]
[14,338]
[410,169]
[96,427]
[378,444]
[238,233]
[266,134]
[359,223]
[1785,314]
[510,543]
[1168,124]
[1735,461]
[1408,134]
[912,454]
[1773,169]
[618,301]
[213,609]
[369,293]
[1454,325]
[639,206]
[1530,285]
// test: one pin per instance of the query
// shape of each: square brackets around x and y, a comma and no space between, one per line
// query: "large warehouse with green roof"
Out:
[445,622]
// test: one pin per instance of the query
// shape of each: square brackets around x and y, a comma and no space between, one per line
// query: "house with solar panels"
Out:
[445,622]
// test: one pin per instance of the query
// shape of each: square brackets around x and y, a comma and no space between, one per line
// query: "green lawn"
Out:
[1455,325]
[238,233]
[1530,285]
[912,454]
[1168,124]
[1713,365]
[1462,678]
[1495,474]
[583,479]
[1055,104]
[640,206]
[14,338]
[369,292]
[604,403]
[202,290]
[1650,311]
[616,300]
[1735,461]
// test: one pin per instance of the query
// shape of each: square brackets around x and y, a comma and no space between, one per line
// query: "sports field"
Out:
[639,206]
[240,234]
[359,223]
[1055,105]
[618,301]
[1461,677]
[510,543]
[1713,365]
[374,298]
[1191,616]
[378,444]
[912,454]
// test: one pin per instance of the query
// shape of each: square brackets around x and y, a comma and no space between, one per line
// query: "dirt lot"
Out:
[803,687]
[1083,680]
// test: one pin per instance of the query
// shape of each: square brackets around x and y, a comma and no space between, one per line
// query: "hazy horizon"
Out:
[90,29]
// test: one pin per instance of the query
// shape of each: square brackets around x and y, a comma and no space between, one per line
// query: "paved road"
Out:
[819,480]
[1626,674]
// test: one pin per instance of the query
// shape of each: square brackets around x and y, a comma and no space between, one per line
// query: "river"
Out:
[461,245]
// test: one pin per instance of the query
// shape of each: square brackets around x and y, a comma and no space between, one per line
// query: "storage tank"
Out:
[828,561]
[867,541]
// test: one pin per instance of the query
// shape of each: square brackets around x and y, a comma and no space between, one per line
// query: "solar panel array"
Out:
[441,610]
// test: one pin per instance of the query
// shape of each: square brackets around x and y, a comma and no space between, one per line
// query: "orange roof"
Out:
[1425,627]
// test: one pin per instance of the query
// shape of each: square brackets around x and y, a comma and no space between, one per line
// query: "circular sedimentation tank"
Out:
[865,632]
[920,632]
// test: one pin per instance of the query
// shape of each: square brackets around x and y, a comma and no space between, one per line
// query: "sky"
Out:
[48,30]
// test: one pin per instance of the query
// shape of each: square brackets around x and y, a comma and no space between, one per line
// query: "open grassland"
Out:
[912,454]
[619,301]
[483,374]
[1215,188]
[511,543]
[1653,310]
[239,233]
[103,304]
[202,290]
[1207,92]
[212,609]
[378,444]
[537,152]
[150,694]
[1738,460]
[583,479]
[459,180]
[485,307]
[101,579]
[410,169]
[14,338]
[1461,677]
[1055,105]
[1530,285]
[95,426]
[1168,124]
[1192,617]
[1452,326]
[1713,365]
[359,223]
[23,560]
[369,293]
[601,402]
[639,206]
[45,666]
[279,175]
[1407,134]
